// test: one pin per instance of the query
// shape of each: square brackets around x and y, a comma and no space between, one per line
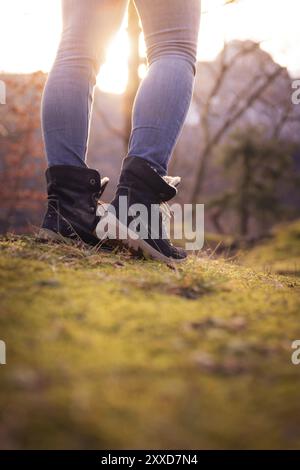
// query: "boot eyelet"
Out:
[92,181]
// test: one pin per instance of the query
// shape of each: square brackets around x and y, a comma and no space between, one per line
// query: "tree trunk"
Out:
[133,66]
[244,212]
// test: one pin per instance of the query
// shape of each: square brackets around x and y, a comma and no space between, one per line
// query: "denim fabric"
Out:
[171,34]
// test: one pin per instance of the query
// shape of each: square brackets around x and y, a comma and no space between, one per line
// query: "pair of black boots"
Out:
[74,212]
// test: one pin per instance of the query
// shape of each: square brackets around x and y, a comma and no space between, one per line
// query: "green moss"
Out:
[107,351]
[281,253]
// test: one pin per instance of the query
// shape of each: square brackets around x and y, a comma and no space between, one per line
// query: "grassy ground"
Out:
[104,351]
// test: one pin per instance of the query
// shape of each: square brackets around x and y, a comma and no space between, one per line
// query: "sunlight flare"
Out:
[113,75]
[37,26]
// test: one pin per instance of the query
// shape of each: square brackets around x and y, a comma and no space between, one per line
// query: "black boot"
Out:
[141,184]
[73,194]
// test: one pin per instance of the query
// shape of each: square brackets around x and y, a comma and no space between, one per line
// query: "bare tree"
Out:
[134,62]
[244,99]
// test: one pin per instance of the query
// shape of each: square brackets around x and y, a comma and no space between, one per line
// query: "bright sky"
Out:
[29,34]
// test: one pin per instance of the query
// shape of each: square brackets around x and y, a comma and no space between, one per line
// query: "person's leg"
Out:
[73,188]
[171,35]
[87,27]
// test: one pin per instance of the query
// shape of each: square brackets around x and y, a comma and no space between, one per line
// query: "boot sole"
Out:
[50,236]
[47,235]
[131,241]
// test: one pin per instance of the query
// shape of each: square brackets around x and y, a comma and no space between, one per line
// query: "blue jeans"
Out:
[171,34]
